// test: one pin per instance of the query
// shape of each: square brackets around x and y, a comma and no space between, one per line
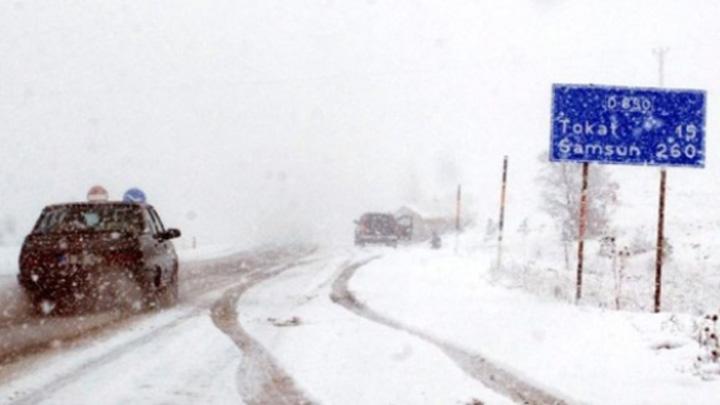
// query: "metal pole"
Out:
[660,241]
[660,53]
[581,230]
[501,221]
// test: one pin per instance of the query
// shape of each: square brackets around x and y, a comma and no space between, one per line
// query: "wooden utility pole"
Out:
[581,230]
[660,53]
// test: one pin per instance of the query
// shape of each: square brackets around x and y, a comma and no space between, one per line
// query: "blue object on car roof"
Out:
[134,195]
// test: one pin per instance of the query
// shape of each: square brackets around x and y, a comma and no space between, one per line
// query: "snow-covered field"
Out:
[691,271]
[589,354]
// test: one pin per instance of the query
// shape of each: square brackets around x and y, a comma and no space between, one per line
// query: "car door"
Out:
[152,249]
[166,255]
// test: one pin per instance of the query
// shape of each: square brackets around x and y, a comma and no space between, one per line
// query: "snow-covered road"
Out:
[260,380]
[249,330]
[348,326]
[339,357]
[474,364]
[173,356]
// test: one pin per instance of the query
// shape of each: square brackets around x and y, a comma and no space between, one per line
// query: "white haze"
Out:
[256,121]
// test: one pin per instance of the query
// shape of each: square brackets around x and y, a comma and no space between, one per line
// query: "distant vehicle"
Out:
[99,255]
[376,228]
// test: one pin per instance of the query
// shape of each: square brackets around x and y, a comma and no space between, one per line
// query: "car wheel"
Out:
[41,306]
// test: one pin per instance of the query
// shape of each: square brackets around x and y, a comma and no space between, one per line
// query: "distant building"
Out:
[422,223]
[411,223]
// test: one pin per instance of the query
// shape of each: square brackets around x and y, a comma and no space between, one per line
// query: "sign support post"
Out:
[659,251]
[458,204]
[581,230]
[660,241]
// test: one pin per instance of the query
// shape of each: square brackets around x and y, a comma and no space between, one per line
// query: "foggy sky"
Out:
[252,121]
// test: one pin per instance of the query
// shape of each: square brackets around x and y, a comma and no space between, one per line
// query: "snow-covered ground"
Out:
[180,356]
[342,359]
[284,331]
[589,354]
[176,355]
[204,252]
[173,357]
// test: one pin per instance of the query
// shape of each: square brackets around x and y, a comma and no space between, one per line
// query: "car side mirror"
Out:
[171,233]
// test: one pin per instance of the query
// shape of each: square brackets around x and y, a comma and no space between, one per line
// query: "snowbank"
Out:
[590,354]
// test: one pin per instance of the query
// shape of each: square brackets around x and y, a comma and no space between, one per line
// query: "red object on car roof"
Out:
[97,193]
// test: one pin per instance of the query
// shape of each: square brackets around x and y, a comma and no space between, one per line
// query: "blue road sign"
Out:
[134,195]
[638,126]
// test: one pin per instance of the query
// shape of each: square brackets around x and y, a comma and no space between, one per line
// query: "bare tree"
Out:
[561,198]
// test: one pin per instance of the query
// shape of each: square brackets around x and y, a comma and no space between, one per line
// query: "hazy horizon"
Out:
[260,121]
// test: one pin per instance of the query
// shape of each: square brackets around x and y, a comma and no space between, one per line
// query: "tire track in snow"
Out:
[23,333]
[46,392]
[473,364]
[198,304]
[260,379]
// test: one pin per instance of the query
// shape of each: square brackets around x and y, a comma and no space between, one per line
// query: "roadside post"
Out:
[501,220]
[659,253]
[581,231]
[627,126]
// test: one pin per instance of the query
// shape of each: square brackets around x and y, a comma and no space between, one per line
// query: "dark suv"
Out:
[376,228]
[84,256]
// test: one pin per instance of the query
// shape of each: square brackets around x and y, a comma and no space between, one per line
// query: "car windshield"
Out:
[379,221]
[100,218]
